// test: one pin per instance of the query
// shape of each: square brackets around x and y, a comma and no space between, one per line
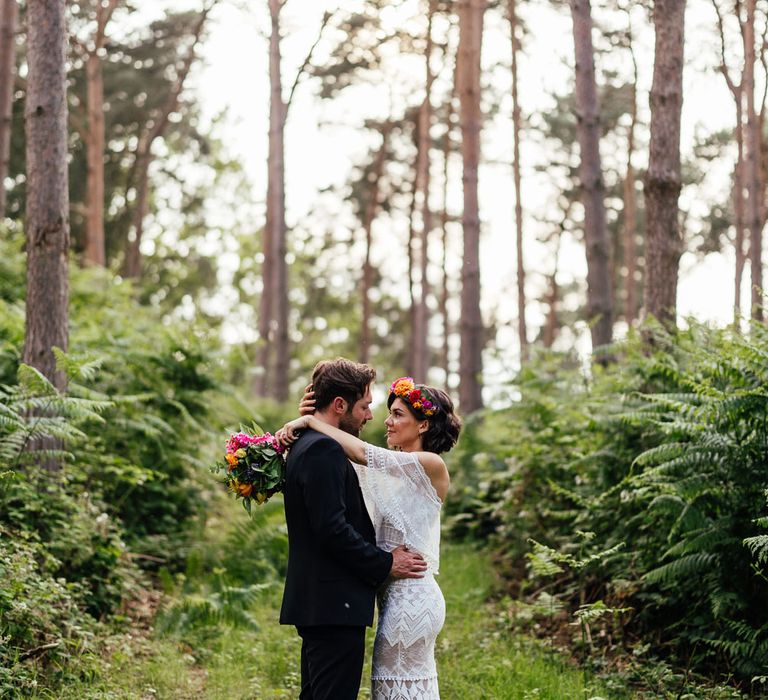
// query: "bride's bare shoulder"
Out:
[433,464]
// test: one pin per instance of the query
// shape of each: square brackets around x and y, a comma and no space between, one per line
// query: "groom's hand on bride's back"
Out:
[407,564]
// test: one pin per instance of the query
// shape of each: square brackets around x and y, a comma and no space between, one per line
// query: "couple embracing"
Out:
[358,531]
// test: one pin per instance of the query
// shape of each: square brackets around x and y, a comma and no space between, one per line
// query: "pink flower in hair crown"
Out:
[405,388]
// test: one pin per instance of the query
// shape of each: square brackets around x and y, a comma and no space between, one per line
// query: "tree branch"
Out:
[723,65]
[300,73]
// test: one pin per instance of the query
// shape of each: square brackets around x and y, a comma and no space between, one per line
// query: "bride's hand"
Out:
[307,403]
[287,435]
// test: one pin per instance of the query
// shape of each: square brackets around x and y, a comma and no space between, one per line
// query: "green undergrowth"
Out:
[201,650]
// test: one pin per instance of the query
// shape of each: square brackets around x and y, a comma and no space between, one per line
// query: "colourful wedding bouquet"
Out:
[254,467]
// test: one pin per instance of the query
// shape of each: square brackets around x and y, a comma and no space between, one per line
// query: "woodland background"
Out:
[153,297]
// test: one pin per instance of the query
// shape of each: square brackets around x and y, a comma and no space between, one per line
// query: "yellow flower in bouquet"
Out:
[254,467]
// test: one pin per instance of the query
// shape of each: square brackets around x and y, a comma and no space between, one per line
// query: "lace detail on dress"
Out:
[405,509]
[403,504]
[395,689]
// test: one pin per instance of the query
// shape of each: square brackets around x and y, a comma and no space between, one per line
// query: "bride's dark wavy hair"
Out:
[444,424]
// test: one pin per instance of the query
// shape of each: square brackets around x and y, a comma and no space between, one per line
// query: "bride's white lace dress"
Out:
[405,509]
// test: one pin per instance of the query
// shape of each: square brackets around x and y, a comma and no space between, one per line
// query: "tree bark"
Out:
[444,292]
[516,129]
[662,183]
[737,92]
[630,203]
[420,333]
[371,210]
[597,244]
[274,356]
[47,224]
[94,146]
[471,14]
[410,359]
[95,253]
[8,21]
[277,386]
[549,333]
[752,166]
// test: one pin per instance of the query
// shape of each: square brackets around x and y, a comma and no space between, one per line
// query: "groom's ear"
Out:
[339,405]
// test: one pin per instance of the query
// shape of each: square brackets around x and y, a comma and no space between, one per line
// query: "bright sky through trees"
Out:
[323,138]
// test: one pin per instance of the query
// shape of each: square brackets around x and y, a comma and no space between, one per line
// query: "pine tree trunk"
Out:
[630,207]
[597,244]
[8,20]
[95,140]
[663,184]
[444,294]
[47,216]
[752,163]
[410,362]
[421,360]
[516,129]
[132,265]
[94,146]
[472,333]
[738,208]
[274,308]
[553,295]
[371,210]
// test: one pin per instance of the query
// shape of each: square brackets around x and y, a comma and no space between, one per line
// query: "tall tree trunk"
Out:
[471,14]
[549,333]
[94,138]
[8,20]
[516,128]
[752,163]
[597,244]
[371,210]
[410,359]
[663,184]
[444,294]
[738,213]
[132,265]
[630,202]
[143,157]
[275,225]
[94,146]
[421,360]
[737,92]
[47,224]
[274,356]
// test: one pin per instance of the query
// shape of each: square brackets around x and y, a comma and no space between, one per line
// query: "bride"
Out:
[404,488]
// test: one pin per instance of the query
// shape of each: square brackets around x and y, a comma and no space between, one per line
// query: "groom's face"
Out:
[357,415]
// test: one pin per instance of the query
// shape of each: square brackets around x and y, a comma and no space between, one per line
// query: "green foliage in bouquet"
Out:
[254,466]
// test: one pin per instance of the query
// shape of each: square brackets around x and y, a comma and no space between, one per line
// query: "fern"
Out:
[683,568]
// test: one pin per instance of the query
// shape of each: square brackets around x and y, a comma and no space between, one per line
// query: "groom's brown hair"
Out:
[340,377]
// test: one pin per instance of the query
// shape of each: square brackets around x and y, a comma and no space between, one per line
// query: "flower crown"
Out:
[405,389]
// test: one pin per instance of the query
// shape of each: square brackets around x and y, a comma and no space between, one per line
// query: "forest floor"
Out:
[476,658]
[480,656]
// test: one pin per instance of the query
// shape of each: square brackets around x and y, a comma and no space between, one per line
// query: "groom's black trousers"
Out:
[331,662]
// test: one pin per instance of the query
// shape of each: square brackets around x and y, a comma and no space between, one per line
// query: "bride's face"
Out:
[403,428]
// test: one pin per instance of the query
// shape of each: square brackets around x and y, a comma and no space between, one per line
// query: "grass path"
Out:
[477,659]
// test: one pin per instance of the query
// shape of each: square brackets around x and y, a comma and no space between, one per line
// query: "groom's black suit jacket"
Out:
[334,566]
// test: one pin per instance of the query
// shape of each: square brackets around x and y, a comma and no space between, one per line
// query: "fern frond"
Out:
[685,567]
[758,546]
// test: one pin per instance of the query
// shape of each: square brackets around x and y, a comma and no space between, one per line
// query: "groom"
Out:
[334,565]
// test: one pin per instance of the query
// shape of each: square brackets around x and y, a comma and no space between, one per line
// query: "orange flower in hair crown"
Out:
[405,389]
